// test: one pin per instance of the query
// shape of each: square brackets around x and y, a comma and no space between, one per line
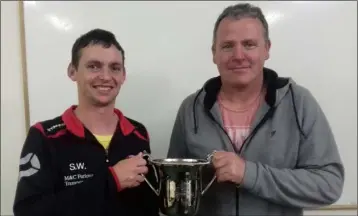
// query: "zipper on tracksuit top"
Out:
[106,154]
[106,150]
[267,115]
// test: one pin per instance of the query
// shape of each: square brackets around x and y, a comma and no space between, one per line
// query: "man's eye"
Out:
[249,45]
[115,69]
[227,46]
[93,67]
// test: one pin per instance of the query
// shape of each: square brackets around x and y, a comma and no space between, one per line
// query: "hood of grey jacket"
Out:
[292,161]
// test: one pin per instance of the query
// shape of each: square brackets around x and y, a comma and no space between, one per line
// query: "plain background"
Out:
[165,58]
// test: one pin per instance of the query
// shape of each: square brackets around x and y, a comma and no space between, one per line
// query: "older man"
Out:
[276,151]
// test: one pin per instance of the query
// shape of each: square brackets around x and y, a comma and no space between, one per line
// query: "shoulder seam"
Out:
[52,127]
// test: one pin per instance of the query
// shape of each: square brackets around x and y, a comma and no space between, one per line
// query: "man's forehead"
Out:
[102,54]
[242,26]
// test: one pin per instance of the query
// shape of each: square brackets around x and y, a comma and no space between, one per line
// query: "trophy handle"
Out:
[156,191]
[209,158]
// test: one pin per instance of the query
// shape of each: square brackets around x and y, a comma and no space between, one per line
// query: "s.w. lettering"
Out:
[77,166]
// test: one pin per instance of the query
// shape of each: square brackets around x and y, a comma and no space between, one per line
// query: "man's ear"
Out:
[213,53]
[124,75]
[268,47]
[71,72]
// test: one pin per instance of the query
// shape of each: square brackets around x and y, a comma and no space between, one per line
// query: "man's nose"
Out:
[106,73]
[238,53]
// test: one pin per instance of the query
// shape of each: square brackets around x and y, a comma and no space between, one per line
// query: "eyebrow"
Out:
[250,40]
[227,42]
[101,63]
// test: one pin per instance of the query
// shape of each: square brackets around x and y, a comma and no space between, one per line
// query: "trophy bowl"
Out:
[180,184]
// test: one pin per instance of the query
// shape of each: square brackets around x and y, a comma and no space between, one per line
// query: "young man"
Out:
[276,151]
[88,160]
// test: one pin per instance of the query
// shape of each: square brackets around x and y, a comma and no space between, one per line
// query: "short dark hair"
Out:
[94,37]
[242,10]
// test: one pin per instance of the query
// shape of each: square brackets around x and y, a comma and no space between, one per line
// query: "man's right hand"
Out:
[129,171]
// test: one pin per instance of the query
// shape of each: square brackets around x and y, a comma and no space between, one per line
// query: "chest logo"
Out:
[78,174]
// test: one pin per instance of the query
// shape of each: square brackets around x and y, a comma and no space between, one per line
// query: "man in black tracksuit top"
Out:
[67,168]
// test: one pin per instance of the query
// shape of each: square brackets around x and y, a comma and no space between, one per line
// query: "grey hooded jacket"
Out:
[292,161]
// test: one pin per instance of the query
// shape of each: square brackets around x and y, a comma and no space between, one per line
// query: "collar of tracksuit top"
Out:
[72,124]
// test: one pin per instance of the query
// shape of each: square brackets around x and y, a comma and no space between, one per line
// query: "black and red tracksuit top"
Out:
[65,171]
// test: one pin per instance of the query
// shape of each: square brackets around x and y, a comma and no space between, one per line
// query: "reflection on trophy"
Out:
[171,193]
[180,184]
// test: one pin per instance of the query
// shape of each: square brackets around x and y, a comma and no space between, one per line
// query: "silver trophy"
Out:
[180,184]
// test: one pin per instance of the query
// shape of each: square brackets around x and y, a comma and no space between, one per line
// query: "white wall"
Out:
[168,55]
[12,108]
[12,103]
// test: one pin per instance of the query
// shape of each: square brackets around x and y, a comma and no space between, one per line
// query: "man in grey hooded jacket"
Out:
[276,153]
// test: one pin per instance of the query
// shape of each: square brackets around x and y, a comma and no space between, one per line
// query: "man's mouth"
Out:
[103,88]
[238,68]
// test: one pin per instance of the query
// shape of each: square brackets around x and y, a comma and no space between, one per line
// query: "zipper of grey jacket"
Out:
[267,116]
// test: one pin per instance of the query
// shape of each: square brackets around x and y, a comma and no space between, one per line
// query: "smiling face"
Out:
[240,50]
[99,75]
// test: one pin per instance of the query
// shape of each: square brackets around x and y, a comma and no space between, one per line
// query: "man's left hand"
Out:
[229,167]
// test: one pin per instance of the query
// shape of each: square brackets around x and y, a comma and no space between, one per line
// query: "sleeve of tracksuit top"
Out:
[316,180]
[35,192]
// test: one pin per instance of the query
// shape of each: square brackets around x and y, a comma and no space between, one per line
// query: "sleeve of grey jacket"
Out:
[318,177]
[177,146]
